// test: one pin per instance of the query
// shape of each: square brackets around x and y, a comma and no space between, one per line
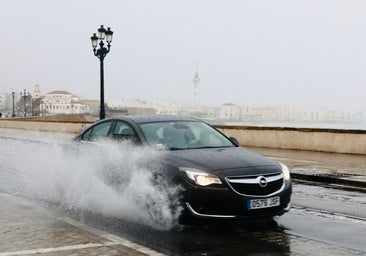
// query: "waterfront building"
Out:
[129,106]
[229,111]
[2,103]
[203,112]
[266,113]
[93,106]
[61,102]
[37,91]
[166,107]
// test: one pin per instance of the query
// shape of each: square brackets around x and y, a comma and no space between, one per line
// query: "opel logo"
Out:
[262,181]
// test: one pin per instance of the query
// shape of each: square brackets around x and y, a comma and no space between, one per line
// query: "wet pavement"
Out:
[334,169]
[26,228]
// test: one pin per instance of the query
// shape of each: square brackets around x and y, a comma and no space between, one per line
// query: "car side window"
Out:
[123,131]
[99,131]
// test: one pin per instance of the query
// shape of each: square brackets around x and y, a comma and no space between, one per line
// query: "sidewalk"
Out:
[28,228]
[338,169]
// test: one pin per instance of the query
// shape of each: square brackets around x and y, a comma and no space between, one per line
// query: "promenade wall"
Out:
[323,140]
[58,123]
[44,126]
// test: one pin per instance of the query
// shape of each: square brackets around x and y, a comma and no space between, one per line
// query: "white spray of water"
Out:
[110,179]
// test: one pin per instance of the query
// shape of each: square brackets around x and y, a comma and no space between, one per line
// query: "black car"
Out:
[220,179]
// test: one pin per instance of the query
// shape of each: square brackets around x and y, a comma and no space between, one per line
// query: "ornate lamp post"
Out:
[106,35]
[13,114]
[24,96]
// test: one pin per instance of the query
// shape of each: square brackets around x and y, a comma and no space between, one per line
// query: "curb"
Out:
[338,179]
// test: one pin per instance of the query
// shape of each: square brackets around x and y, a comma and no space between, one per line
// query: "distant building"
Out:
[129,106]
[61,102]
[266,113]
[37,91]
[92,105]
[2,101]
[204,112]
[229,111]
[166,107]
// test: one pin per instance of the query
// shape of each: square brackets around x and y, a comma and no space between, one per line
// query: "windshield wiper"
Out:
[175,148]
[203,147]
[212,147]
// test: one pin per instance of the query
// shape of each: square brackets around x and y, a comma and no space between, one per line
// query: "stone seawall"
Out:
[63,127]
[58,123]
[324,140]
[59,128]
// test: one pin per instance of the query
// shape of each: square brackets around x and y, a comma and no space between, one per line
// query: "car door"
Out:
[123,131]
[97,132]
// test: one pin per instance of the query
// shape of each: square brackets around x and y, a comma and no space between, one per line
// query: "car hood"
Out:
[218,160]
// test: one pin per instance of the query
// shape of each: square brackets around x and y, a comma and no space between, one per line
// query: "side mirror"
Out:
[234,141]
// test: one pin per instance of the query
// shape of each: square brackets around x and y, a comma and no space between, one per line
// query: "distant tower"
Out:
[37,91]
[196,84]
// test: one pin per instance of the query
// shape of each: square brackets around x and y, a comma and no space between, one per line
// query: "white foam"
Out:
[111,179]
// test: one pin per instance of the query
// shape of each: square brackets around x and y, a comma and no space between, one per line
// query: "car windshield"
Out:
[184,135]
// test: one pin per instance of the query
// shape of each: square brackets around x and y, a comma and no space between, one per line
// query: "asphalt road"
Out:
[312,227]
[338,228]
[323,220]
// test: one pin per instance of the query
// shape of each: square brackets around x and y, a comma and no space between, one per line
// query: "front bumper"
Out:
[224,203]
[215,216]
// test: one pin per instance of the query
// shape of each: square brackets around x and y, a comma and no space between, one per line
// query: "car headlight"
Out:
[285,171]
[200,178]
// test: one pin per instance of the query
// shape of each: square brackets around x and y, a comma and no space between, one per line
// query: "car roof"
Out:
[155,118]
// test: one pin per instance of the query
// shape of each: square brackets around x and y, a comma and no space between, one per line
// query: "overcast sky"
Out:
[304,53]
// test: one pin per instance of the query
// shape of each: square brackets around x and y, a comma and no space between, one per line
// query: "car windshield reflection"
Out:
[180,135]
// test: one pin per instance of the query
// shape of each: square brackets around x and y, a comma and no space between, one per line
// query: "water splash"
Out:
[114,180]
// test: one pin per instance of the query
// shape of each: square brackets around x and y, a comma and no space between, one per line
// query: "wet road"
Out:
[324,221]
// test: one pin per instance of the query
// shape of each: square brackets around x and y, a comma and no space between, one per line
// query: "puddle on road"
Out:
[114,180]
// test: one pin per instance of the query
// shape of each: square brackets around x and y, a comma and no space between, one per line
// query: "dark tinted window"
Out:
[123,131]
[99,131]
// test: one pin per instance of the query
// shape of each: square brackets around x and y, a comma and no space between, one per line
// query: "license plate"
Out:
[263,203]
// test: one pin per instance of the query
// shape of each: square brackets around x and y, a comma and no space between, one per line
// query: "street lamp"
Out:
[106,35]
[12,94]
[24,96]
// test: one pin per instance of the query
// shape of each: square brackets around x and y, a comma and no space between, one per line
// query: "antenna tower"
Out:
[196,84]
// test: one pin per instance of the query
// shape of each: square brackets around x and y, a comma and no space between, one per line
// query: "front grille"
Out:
[258,185]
